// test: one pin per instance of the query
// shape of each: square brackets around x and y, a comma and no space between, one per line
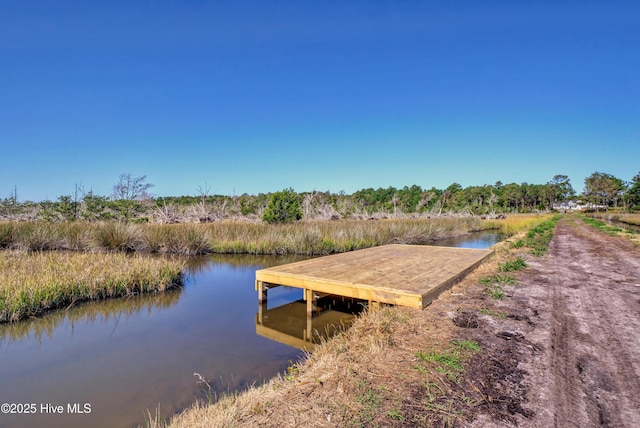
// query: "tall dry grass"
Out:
[33,282]
[515,223]
[307,238]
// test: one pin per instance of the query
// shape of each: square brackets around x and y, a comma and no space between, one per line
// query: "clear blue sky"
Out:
[257,96]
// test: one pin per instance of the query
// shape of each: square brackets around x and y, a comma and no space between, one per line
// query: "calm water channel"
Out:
[108,363]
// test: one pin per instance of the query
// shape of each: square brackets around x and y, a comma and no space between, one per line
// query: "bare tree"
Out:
[128,195]
[307,204]
[130,188]
[200,210]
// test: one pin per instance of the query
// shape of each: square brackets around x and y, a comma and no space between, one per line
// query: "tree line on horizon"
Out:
[130,201]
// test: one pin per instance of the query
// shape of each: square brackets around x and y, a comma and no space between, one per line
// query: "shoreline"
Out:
[34,283]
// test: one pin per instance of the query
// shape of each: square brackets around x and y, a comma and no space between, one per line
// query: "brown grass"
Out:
[33,282]
[305,238]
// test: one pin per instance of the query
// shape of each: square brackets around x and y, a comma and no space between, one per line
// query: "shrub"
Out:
[283,207]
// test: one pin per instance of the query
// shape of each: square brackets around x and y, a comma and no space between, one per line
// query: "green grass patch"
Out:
[468,345]
[496,292]
[538,237]
[370,400]
[604,227]
[449,362]
[518,244]
[395,415]
[494,285]
[513,265]
[499,279]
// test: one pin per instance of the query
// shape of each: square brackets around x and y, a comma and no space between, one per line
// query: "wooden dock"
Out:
[405,275]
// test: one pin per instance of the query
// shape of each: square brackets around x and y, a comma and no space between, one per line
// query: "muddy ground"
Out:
[569,349]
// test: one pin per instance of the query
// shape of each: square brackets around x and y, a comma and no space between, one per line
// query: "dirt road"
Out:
[571,352]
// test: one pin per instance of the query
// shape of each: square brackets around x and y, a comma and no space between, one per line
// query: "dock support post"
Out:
[309,332]
[262,291]
[262,308]
[308,296]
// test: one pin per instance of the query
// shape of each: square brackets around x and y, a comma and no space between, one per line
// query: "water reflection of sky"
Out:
[478,240]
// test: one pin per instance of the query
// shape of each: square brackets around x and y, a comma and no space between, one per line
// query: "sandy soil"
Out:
[570,355]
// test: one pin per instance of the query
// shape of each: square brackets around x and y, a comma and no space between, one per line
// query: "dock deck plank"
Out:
[408,275]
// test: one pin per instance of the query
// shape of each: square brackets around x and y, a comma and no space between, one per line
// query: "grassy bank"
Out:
[613,230]
[34,282]
[628,218]
[393,367]
[307,238]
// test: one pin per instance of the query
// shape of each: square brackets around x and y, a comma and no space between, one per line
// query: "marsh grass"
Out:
[305,238]
[34,282]
[186,239]
[116,236]
[38,236]
[6,234]
[515,223]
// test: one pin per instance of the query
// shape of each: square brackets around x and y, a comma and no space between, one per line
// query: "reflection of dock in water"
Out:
[289,323]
